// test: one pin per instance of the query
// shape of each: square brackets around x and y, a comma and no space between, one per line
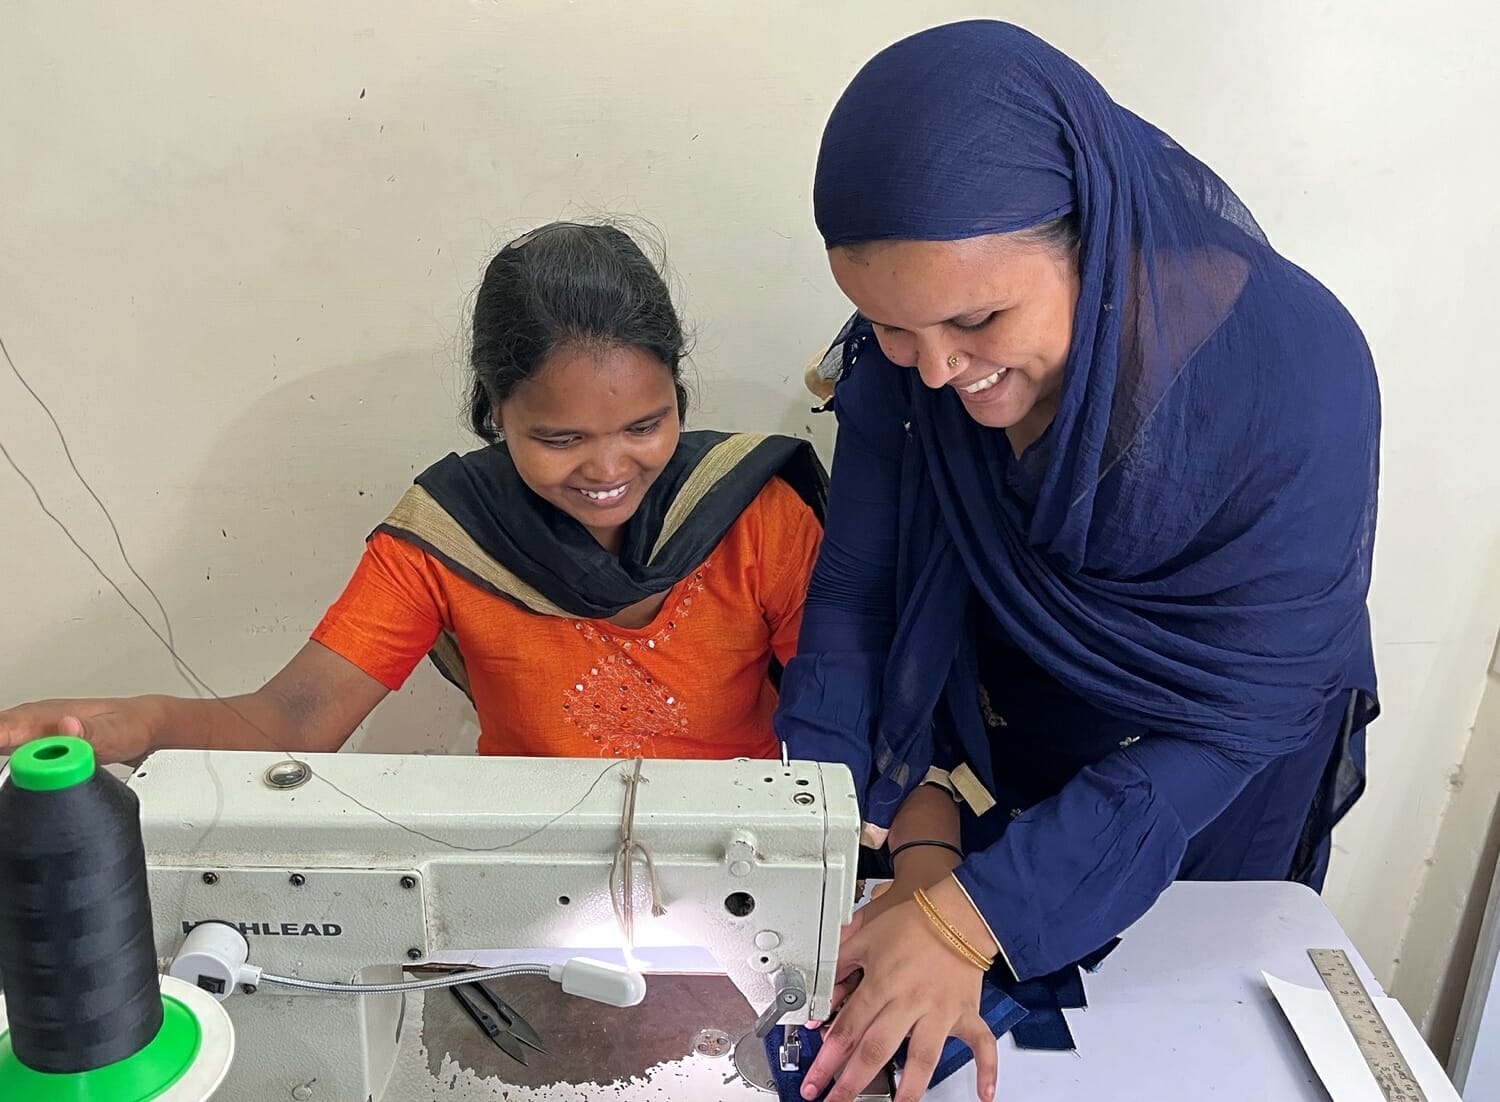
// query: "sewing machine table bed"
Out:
[1179,1011]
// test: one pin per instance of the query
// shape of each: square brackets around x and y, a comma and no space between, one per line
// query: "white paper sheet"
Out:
[1334,1054]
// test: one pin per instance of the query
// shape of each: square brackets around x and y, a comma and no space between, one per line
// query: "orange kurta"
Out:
[691,684]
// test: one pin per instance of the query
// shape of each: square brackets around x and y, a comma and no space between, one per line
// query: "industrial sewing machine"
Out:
[356,868]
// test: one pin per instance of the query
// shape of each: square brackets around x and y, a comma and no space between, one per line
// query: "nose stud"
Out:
[953,361]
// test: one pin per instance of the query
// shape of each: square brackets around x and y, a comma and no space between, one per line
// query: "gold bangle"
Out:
[981,961]
[954,939]
[974,954]
[951,933]
[957,946]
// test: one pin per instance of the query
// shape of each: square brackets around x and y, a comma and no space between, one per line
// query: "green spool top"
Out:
[48,764]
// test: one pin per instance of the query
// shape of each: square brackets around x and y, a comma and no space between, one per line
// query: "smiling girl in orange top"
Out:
[598,581]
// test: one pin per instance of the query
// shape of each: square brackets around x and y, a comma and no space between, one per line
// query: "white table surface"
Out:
[1180,1010]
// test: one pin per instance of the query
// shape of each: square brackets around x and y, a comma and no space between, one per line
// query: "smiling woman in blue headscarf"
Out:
[1090,611]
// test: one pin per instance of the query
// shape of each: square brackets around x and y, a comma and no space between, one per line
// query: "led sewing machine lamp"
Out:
[214,958]
[84,1015]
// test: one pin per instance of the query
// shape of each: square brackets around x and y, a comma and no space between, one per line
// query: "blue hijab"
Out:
[1189,543]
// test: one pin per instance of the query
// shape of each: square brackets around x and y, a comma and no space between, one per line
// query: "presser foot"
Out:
[751,1062]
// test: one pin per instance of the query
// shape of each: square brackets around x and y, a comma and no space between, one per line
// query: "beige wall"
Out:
[1440,941]
[236,240]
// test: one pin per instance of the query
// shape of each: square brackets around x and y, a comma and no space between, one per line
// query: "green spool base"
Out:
[139,1078]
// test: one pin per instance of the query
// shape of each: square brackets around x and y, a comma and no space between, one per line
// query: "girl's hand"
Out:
[119,730]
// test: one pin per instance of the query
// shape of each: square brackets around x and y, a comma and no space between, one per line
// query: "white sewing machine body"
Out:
[755,862]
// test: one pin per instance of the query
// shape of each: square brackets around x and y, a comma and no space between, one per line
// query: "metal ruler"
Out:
[1384,1059]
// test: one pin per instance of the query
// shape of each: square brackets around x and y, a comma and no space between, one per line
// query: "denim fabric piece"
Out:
[1046,997]
[1069,989]
[1044,1026]
[1044,1029]
[1092,962]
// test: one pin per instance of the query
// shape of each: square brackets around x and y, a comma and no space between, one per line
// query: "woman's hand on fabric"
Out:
[914,986]
[118,730]
[916,868]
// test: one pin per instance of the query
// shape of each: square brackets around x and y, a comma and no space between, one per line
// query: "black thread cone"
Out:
[77,954]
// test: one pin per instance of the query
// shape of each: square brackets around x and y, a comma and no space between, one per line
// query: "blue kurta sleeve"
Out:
[830,692]
[1075,870]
